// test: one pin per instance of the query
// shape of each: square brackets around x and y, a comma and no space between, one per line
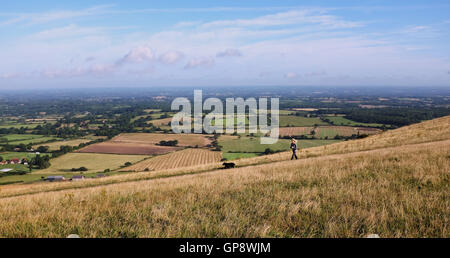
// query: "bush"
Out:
[107,170]
[79,169]
[127,164]
[168,143]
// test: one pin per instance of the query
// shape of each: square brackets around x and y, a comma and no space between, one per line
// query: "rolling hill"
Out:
[395,184]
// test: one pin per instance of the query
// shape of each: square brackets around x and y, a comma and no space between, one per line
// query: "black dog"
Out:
[229,164]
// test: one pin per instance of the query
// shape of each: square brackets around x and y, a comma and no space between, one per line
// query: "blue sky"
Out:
[219,43]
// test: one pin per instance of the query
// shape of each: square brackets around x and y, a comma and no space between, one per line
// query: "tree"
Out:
[127,164]
[42,149]
[1,158]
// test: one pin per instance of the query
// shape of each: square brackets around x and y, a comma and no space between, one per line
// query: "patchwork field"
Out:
[145,143]
[184,158]
[152,138]
[94,162]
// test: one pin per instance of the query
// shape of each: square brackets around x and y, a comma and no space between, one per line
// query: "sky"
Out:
[71,44]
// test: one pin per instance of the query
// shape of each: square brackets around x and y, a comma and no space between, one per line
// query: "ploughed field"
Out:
[127,148]
[146,143]
[184,158]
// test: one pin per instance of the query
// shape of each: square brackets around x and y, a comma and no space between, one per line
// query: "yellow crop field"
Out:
[56,145]
[159,122]
[291,131]
[94,162]
[184,158]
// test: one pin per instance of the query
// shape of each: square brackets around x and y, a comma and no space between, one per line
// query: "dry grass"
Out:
[56,145]
[349,189]
[435,129]
[179,159]
[399,192]
[160,122]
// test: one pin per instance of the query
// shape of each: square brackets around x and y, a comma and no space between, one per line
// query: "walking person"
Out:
[294,149]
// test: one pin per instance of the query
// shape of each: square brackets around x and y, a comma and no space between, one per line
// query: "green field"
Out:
[36,141]
[16,139]
[253,145]
[339,120]
[15,167]
[19,155]
[238,155]
[29,126]
[300,121]
[327,132]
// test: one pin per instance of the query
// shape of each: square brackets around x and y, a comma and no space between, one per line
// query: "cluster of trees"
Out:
[169,143]
[82,169]
[40,162]
[395,116]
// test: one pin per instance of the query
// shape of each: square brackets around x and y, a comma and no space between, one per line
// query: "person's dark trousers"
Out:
[294,154]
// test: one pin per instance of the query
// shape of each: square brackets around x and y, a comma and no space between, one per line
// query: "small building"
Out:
[6,170]
[14,161]
[100,175]
[55,178]
[77,177]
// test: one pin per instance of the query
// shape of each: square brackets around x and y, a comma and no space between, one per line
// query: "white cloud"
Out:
[290,75]
[305,16]
[137,55]
[230,52]
[171,57]
[45,17]
[317,73]
[198,62]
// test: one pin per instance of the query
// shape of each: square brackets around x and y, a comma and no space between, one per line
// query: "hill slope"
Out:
[395,184]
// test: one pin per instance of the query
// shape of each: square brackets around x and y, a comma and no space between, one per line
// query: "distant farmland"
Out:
[94,162]
[328,131]
[146,143]
[56,145]
[184,158]
[127,148]
[300,121]
[152,138]
[332,131]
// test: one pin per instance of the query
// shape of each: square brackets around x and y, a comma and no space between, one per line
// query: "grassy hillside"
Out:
[395,184]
